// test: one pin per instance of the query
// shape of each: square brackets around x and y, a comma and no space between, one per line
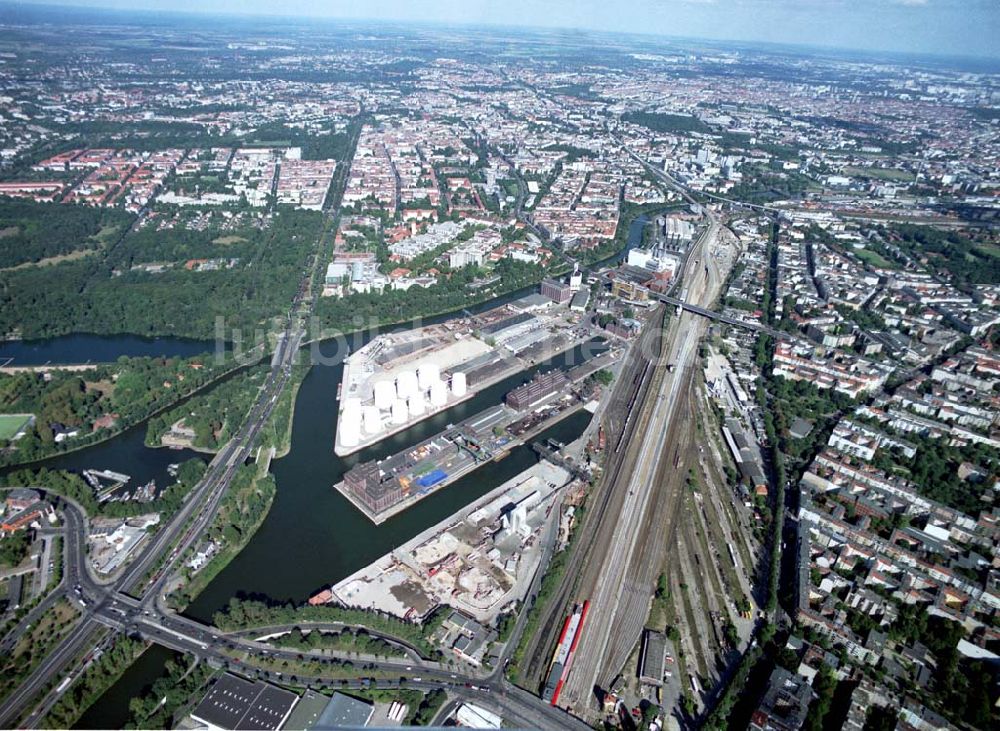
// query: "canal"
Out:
[84,348]
[111,709]
[312,537]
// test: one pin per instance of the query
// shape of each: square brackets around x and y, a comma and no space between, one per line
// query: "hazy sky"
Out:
[961,27]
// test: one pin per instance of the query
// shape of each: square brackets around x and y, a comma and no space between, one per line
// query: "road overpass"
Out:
[720,317]
[133,603]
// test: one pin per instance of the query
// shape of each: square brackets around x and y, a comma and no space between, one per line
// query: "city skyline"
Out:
[419,371]
[927,27]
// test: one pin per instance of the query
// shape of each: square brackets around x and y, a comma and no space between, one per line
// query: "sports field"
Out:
[11,424]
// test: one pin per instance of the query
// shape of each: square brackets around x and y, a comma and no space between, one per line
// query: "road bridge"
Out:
[557,459]
[720,317]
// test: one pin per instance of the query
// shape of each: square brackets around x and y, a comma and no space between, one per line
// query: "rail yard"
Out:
[657,511]
[430,372]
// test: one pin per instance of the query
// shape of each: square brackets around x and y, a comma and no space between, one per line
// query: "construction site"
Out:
[400,379]
[665,545]
[478,561]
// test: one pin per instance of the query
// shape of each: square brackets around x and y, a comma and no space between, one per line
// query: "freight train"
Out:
[562,658]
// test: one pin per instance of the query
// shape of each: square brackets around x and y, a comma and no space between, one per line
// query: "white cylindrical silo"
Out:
[385,394]
[439,393]
[349,430]
[372,420]
[458,384]
[417,404]
[428,374]
[399,413]
[406,384]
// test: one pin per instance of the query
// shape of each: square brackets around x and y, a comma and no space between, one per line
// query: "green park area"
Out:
[11,424]
[891,174]
[868,256]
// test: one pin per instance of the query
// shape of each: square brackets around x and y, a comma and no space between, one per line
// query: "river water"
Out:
[312,537]
[83,348]
[111,709]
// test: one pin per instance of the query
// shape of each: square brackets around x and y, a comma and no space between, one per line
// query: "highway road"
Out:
[133,603]
[188,524]
[183,529]
[104,609]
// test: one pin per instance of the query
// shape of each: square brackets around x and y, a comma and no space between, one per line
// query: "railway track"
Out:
[635,383]
[654,430]
[656,537]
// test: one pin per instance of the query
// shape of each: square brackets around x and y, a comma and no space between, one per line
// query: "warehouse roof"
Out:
[344,711]
[235,703]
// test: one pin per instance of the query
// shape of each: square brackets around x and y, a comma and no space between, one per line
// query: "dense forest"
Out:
[347,640]
[79,296]
[213,415]
[13,548]
[666,123]
[330,146]
[763,186]
[30,232]
[178,244]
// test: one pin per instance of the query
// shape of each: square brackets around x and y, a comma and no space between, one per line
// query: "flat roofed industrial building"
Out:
[235,703]
[344,711]
[307,711]
[538,389]
[654,651]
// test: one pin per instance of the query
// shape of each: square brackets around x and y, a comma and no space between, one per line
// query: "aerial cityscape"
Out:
[540,375]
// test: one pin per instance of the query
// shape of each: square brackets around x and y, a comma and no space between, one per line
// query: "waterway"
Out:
[84,348]
[312,536]
[111,709]
[127,452]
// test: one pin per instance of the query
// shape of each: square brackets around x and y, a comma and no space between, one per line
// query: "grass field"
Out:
[223,240]
[874,258]
[10,424]
[50,260]
[989,250]
[880,173]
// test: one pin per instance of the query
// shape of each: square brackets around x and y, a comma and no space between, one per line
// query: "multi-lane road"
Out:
[183,529]
[103,610]
[132,603]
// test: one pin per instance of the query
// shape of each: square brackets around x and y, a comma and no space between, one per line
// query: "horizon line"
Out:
[348,20]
